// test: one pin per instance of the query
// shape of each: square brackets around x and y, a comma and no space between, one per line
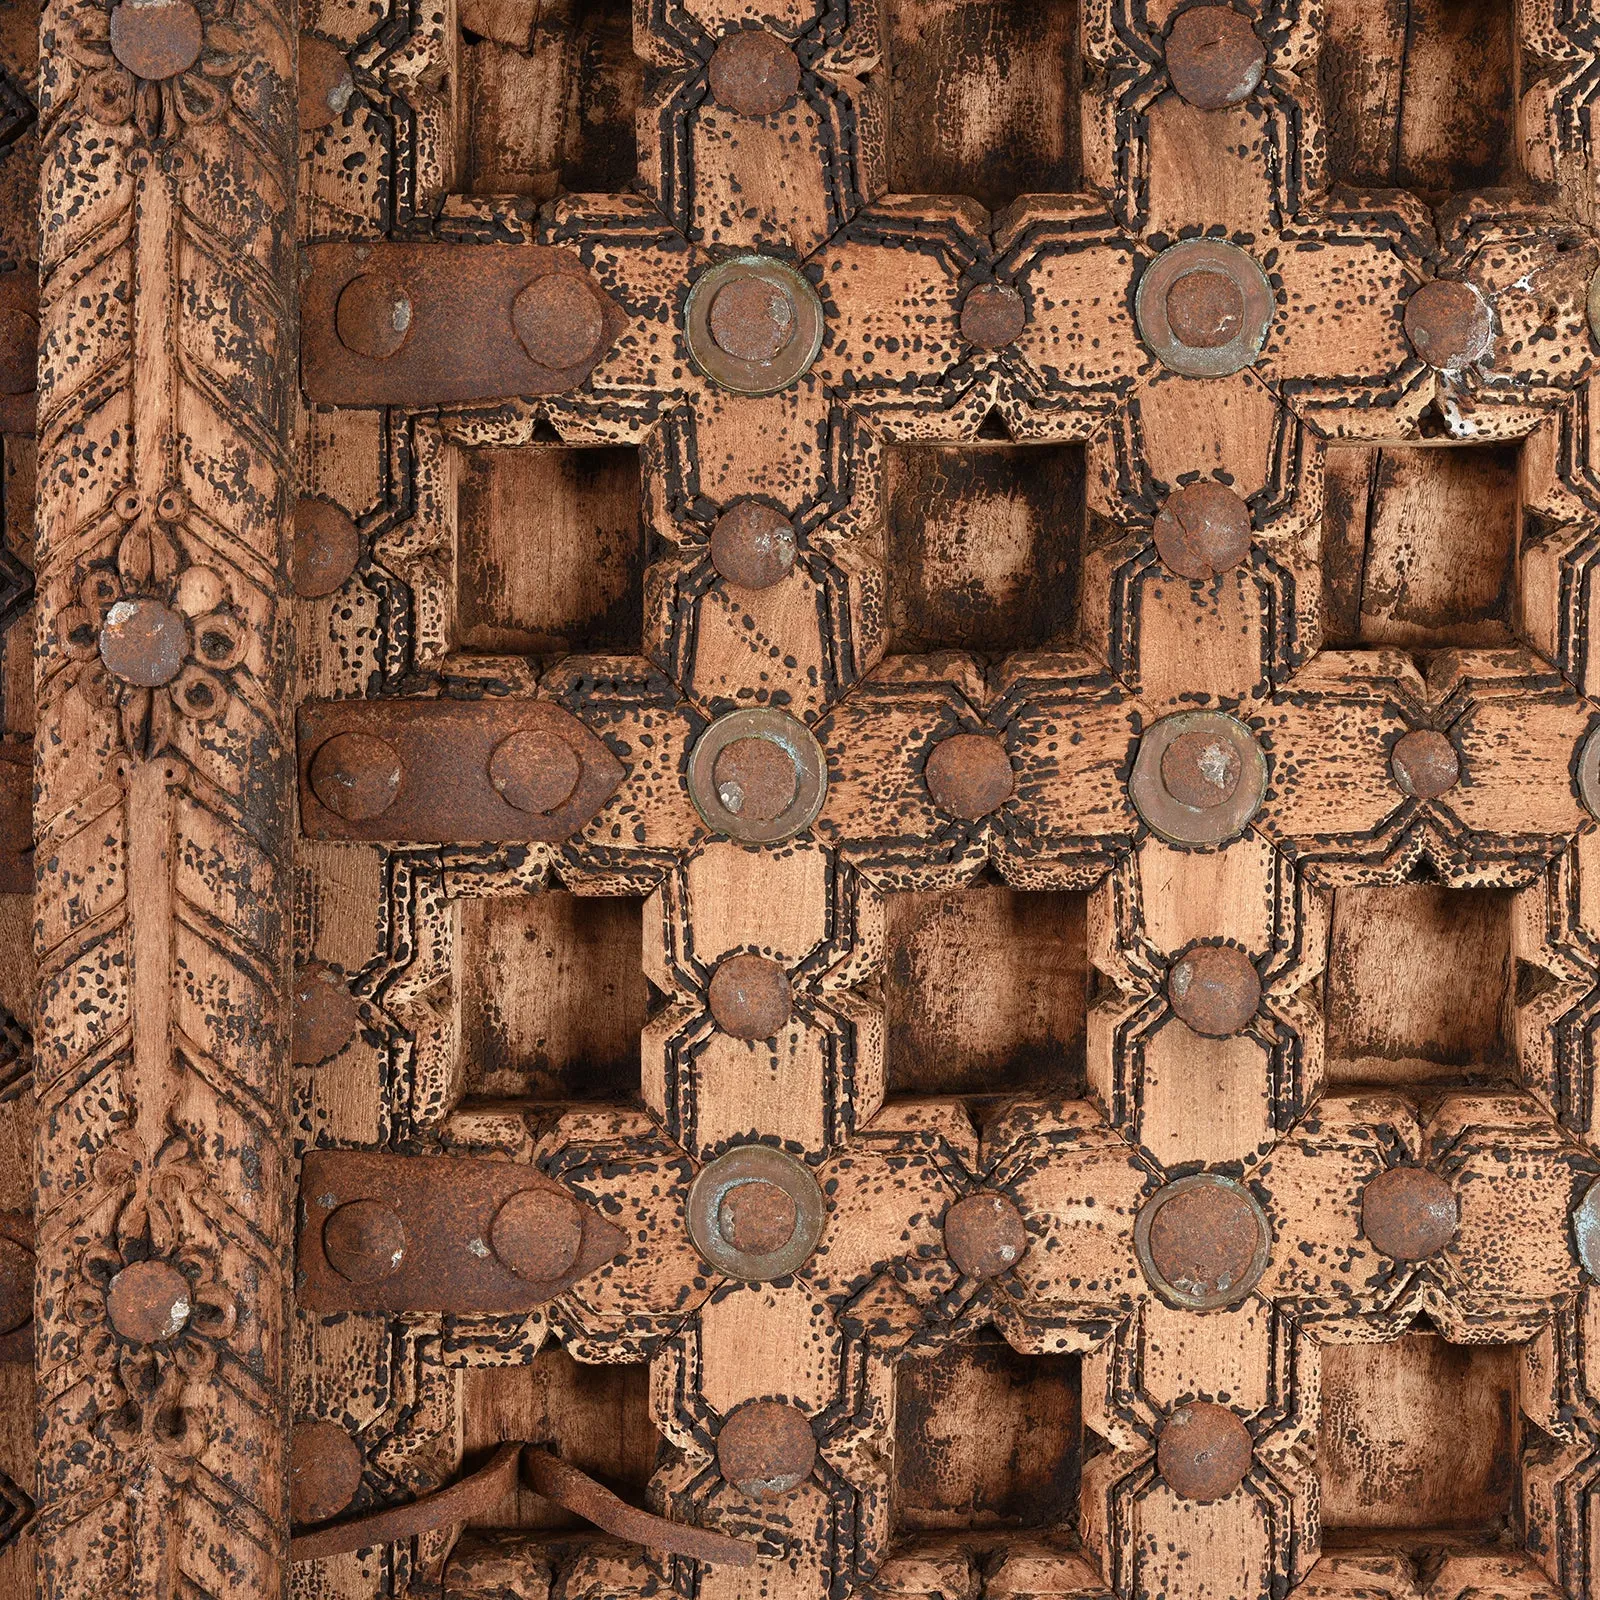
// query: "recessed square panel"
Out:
[1419,94]
[1395,1016]
[550,551]
[1418,1435]
[985,1437]
[1419,546]
[983,98]
[553,997]
[984,546]
[986,992]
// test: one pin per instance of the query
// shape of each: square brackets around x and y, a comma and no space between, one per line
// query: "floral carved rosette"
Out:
[157,64]
[150,1310]
[154,638]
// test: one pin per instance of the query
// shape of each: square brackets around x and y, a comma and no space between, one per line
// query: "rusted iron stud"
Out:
[326,1015]
[437,771]
[1425,764]
[758,776]
[1586,1230]
[984,1235]
[766,1449]
[1198,778]
[750,997]
[753,324]
[1588,771]
[993,315]
[144,642]
[1409,1213]
[969,775]
[1203,529]
[754,73]
[1204,1451]
[472,1235]
[1214,57]
[324,82]
[356,776]
[1202,1241]
[324,1471]
[1214,989]
[148,1301]
[1449,324]
[753,545]
[755,1213]
[326,548]
[156,39]
[382,323]
[1203,307]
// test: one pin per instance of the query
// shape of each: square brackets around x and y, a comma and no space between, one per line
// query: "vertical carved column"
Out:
[162,821]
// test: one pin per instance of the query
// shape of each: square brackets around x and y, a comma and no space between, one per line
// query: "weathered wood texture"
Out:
[162,815]
[1180,1195]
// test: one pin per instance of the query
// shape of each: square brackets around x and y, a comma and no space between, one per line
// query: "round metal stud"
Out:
[1588,772]
[326,548]
[1425,764]
[1198,777]
[535,770]
[993,316]
[754,324]
[1214,989]
[373,316]
[1449,324]
[750,997]
[766,1449]
[984,1235]
[324,82]
[148,1301]
[559,320]
[16,1285]
[969,775]
[324,1471]
[356,775]
[752,545]
[156,39]
[761,1234]
[1409,1213]
[754,73]
[326,1015]
[537,1234]
[1204,1451]
[19,351]
[1202,1241]
[1214,57]
[758,776]
[364,1241]
[1586,1230]
[1203,307]
[1203,529]
[144,642]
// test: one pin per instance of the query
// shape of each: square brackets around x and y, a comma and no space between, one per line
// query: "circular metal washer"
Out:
[754,376]
[1258,305]
[1588,773]
[791,736]
[754,1163]
[1170,817]
[1246,1207]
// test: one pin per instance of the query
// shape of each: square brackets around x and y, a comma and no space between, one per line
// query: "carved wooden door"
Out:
[815,796]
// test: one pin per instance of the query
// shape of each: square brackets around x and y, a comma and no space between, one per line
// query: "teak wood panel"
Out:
[984,992]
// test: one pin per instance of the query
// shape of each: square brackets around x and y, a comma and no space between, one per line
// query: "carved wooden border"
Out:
[163,803]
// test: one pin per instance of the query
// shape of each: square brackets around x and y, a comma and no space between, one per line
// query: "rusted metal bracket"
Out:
[478,1494]
[383,1232]
[449,771]
[443,324]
